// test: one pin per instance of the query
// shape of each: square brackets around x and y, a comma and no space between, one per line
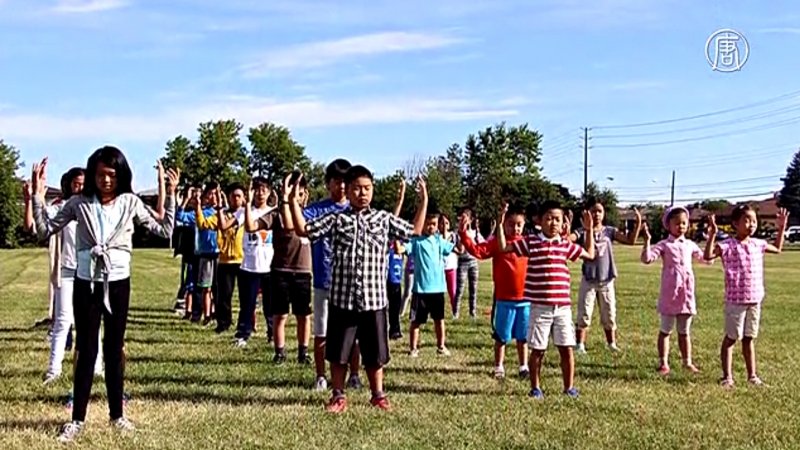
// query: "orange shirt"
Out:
[508,269]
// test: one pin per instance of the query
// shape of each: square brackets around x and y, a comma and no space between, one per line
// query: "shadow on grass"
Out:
[234,399]
[238,359]
[21,373]
[182,379]
[437,390]
[425,370]
[43,425]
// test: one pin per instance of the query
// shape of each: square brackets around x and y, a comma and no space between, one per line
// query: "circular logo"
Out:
[727,50]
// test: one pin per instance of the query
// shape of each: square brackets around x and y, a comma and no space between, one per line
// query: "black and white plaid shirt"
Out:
[359,241]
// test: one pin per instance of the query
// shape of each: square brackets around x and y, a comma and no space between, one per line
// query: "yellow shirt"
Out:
[230,241]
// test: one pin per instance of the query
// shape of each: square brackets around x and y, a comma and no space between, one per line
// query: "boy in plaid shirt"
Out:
[359,236]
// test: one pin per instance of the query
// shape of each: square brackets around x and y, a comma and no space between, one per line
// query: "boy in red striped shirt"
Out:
[547,287]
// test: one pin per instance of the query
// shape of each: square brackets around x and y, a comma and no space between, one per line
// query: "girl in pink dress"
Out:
[676,302]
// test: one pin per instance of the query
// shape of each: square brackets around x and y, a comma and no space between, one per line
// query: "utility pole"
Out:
[585,159]
[672,191]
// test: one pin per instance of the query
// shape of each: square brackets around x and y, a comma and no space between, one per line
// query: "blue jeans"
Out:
[249,284]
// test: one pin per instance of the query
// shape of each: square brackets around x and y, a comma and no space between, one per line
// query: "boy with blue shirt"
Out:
[429,252]
[394,288]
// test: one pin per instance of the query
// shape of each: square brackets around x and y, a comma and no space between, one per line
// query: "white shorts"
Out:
[321,298]
[742,320]
[602,293]
[681,322]
[546,320]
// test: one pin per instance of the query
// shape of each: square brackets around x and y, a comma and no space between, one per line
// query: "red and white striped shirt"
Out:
[547,280]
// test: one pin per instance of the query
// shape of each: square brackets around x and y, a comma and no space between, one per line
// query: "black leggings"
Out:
[226,281]
[89,309]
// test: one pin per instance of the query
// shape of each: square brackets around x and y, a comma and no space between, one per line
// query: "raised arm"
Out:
[48,226]
[162,191]
[782,221]
[164,225]
[588,252]
[422,206]
[250,225]
[27,195]
[649,255]
[205,223]
[298,219]
[631,237]
[285,207]
[712,250]
[401,196]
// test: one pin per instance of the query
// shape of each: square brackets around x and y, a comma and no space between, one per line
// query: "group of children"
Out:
[342,261]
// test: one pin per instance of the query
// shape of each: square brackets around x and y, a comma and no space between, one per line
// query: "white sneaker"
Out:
[499,372]
[70,431]
[123,424]
[50,378]
[443,351]
[580,349]
[613,347]
[321,385]
[414,353]
[240,343]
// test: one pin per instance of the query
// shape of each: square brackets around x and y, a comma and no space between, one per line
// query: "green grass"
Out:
[191,389]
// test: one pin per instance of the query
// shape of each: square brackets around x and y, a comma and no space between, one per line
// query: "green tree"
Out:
[500,163]
[10,196]
[714,206]
[384,195]
[178,152]
[789,196]
[218,155]
[444,178]
[315,174]
[274,153]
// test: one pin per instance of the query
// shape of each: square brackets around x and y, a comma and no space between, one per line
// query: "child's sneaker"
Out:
[279,358]
[304,359]
[499,372]
[337,405]
[354,382]
[612,347]
[571,393]
[524,372]
[70,431]
[414,353]
[755,381]
[321,384]
[381,403]
[395,336]
[240,343]
[580,349]
[443,351]
[536,394]
[123,424]
[50,378]
[663,370]
[726,383]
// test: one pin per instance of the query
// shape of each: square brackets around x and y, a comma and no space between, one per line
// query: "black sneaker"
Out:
[304,359]
[396,335]
[279,358]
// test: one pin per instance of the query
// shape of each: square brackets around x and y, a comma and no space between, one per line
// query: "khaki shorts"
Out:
[321,297]
[681,322]
[742,320]
[602,293]
[551,320]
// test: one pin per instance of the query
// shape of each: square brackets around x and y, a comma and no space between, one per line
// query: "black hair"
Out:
[337,170]
[674,213]
[233,187]
[515,209]
[67,179]
[739,211]
[210,187]
[466,209]
[550,205]
[260,181]
[113,158]
[592,201]
[357,172]
[294,176]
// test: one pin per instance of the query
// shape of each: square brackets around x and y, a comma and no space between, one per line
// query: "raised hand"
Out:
[501,215]
[249,193]
[173,178]
[39,178]
[287,186]
[646,231]
[463,222]
[196,194]
[587,221]
[422,188]
[782,218]
[27,191]
[712,225]
[295,192]
[401,188]
[637,215]
[160,170]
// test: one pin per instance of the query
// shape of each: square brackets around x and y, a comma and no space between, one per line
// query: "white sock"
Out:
[581,346]
[523,368]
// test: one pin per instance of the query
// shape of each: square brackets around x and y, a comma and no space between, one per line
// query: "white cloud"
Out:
[87,6]
[780,30]
[325,53]
[296,113]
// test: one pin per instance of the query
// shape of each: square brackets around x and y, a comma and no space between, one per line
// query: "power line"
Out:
[747,155]
[700,116]
[771,177]
[763,115]
[698,199]
[782,123]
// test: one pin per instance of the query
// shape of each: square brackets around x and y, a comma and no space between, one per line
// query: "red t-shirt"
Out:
[508,269]
[547,281]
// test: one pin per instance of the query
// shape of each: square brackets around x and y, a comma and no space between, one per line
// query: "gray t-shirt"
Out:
[602,268]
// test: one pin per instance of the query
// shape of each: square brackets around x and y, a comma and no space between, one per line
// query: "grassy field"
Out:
[191,389]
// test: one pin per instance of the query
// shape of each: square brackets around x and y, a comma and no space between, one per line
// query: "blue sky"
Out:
[381,81]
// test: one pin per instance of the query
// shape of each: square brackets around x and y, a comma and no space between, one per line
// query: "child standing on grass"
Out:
[106,213]
[359,237]
[468,269]
[511,312]
[743,263]
[451,260]
[547,287]
[676,302]
[394,283]
[429,251]
[598,275]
